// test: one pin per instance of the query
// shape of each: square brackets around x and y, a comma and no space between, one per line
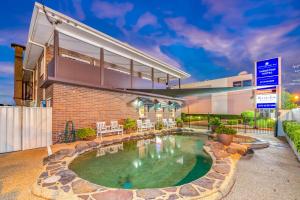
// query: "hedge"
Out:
[263,123]
[198,117]
[292,129]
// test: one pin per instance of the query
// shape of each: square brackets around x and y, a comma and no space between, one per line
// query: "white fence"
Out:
[24,128]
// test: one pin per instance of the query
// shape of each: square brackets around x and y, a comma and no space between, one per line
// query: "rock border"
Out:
[58,182]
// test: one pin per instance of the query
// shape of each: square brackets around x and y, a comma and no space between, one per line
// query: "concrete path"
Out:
[272,173]
[18,172]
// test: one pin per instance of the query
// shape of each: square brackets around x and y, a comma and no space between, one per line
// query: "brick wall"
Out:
[85,106]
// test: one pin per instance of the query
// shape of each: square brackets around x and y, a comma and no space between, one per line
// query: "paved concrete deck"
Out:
[272,173]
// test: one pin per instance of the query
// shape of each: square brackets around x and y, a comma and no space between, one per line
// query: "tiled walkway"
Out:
[272,173]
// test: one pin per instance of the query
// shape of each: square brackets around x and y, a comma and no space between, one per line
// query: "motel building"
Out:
[232,102]
[86,75]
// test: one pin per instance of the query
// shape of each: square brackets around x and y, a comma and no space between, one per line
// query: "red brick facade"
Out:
[85,106]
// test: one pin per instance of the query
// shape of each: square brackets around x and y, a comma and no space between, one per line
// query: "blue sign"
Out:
[266,105]
[267,81]
[267,73]
[267,68]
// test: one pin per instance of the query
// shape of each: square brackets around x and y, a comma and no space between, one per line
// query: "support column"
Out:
[18,74]
[152,77]
[168,80]
[101,66]
[131,74]
[179,83]
[56,51]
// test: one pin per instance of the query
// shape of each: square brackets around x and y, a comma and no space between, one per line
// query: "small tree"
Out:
[287,101]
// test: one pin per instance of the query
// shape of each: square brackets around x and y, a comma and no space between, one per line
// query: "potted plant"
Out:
[214,123]
[86,134]
[225,134]
[179,122]
[129,125]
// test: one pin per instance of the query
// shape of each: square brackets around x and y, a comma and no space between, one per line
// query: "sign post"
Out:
[268,78]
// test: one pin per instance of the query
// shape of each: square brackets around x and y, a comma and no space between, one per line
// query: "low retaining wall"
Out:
[58,182]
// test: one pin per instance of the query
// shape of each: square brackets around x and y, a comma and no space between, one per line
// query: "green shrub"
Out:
[179,121]
[225,130]
[232,122]
[215,121]
[248,116]
[129,124]
[292,129]
[159,125]
[199,117]
[263,123]
[85,133]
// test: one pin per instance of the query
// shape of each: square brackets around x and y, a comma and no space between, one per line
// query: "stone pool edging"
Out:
[58,182]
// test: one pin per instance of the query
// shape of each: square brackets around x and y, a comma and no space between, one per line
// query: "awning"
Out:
[145,101]
[192,91]
[174,105]
[141,101]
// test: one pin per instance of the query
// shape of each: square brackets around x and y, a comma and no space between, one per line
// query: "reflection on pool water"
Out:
[152,163]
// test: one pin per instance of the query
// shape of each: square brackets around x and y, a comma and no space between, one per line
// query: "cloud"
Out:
[145,20]
[239,49]
[108,10]
[14,35]
[155,51]
[6,69]
[79,12]
[195,37]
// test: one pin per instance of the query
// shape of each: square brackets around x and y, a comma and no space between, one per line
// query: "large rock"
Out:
[59,155]
[93,144]
[81,186]
[216,175]
[66,152]
[188,191]
[217,145]
[220,154]
[173,197]
[205,183]
[81,147]
[66,176]
[149,193]
[114,195]
[238,148]
[231,150]
[51,179]
[222,168]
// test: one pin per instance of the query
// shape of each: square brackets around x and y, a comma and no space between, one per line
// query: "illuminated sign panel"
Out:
[267,72]
[266,100]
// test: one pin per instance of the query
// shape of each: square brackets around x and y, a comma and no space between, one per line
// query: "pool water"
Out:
[153,163]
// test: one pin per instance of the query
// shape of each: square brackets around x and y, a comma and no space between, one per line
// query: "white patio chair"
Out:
[171,123]
[149,124]
[102,129]
[116,127]
[140,125]
[165,123]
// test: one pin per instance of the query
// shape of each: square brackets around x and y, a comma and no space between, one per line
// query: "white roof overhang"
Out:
[41,33]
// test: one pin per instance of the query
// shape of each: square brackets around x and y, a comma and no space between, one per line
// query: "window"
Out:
[247,83]
[237,84]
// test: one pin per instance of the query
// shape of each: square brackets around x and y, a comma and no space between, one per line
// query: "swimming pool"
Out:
[151,163]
